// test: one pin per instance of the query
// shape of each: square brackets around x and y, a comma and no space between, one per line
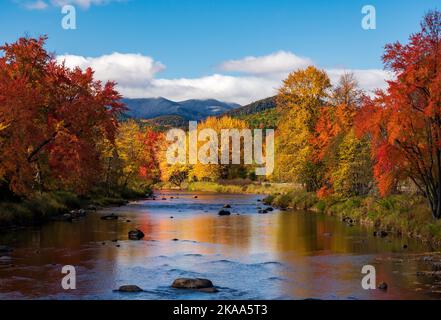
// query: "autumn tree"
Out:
[346,158]
[404,122]
[216,170]
[300,100]
[52,119]
[133,160]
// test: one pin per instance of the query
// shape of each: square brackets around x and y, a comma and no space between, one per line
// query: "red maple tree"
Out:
[52,119]
[404,122]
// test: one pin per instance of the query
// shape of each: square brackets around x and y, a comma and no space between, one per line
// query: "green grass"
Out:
[43,207]
[238,186]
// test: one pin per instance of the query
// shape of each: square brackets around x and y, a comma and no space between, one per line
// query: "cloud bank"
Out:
[43,4]
[137,76]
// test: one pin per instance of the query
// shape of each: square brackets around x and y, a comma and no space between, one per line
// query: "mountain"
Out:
[259,114]
[149,108]
[255,107]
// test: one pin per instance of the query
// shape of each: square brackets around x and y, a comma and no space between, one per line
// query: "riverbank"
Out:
[238,186]
[397,214]
[46,206]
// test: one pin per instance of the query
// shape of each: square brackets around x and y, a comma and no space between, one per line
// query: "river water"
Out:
[279,255]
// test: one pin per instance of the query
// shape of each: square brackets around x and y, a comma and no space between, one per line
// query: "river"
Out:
[279,255]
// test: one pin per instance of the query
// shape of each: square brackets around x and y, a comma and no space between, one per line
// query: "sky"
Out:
[231,50]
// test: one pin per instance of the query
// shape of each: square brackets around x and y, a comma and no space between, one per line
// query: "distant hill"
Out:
[252,108]
[149,108]
[166,122]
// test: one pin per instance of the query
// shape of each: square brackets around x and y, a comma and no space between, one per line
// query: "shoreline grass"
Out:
[45,206]
[238,186]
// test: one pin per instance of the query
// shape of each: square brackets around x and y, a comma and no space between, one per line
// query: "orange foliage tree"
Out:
[404,122]
[52,119]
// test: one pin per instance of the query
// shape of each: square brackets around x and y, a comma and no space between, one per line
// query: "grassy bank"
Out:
[398,214]
[42,207]
[233,186]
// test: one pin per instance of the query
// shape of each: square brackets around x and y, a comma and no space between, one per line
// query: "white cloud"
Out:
[36,5]
[368,79]
[226,88]
[136,76]
[129,70]
[43,4]
[278,62]
[81,3]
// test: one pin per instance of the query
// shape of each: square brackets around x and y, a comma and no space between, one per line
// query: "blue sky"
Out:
[185,44]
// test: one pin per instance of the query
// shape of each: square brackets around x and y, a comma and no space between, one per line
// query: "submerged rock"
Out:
[5,258]
[110,217]
[224,213]
[91,207]
[187,283]
[381,234]
[383,286]
[436,266]
[78,213]
[136,234]
[129,288]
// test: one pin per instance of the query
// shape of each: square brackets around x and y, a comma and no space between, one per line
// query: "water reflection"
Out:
[282,255]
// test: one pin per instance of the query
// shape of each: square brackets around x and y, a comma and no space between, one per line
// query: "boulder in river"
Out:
[269,209]
[262,211]
[129,288]
[77,213]
[436,266]
[109,217]
[224,213]
[136,234]
[381,234]
[227,206]
[5,249]
[187,283]
[195,197]
[383,286]
[91,207]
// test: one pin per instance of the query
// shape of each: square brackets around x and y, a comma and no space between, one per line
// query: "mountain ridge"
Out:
[192,109]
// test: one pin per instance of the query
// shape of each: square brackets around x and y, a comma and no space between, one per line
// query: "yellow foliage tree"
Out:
[300,99]
[218,171]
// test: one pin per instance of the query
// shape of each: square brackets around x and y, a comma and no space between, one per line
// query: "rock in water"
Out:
[110,217]
[136,234]
[187,283]
[195,197]
[130,288]
[381,234]
[227,206]
[224,213]
[269,209]
[383,286]
[5,249]
[436,266]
